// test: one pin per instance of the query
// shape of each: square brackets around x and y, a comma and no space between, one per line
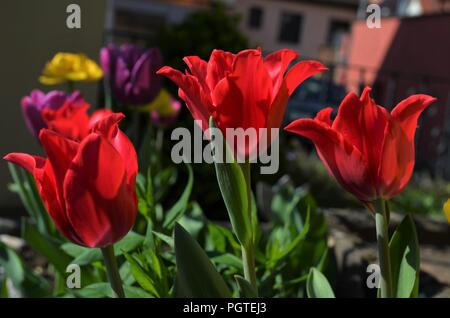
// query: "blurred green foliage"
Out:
[199,34]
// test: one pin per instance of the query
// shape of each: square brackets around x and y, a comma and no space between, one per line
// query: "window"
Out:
[290,28]
[336,31]
[255,18]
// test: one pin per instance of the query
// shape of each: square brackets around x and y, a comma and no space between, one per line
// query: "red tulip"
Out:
[72,120]
[241,90]
[88,187]
[367,149]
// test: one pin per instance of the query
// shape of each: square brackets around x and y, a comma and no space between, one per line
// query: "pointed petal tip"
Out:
[366,93]
[8,157]
[297,124]
[164,70]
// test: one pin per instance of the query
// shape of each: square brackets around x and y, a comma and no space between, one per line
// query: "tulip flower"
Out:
[70,67]
[72,120]
[447,210]
[88,187]
[164,109]
[37,102]
[370,152]
[131,72]
[241,90]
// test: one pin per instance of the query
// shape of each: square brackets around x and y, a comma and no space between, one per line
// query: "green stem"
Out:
[248,261]
[107,93]
[248,252]
[159,140]
[113,271]
[70,86]
[382,223]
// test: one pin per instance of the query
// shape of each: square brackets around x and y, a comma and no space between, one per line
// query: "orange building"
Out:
[408,55]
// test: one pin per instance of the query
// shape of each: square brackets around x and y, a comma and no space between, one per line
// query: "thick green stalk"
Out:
[248,252]
[382,223]
[113,271]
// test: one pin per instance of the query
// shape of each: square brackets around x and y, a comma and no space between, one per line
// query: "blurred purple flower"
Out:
[34,104]
[162,121]
[131,71]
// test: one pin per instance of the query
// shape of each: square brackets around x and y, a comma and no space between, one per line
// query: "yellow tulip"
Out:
[447,210]
[162,104]
[70,67]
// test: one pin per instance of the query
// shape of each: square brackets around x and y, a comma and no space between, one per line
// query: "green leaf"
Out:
[23,278]
[141,188]
[73,250]
[232,185]
[135,292]
[46,246]
[166,239]
[245,289]
[317,285]
[11,264]
[85,256]
[196,275]
[139,273]
[97,290]
[89,256]
[43,221]
[177,210]
[104,290]
[19,187]
[25,186]
[227,259]
[291,246]
[405,259]
[4,293]
[125,274]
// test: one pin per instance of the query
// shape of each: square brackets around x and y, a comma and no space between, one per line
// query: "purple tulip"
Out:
[34,105]
[131,71]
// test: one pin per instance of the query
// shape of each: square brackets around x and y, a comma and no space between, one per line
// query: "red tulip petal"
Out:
[198,103]
[343,160]
[348,120]
[198,69]
[407,112]
[277,64]
[108,124]
[100,205]
[300,72]
[219,65]
[46,184]
[71,121]
[60,152]
[97,116]
[243,98]
[363,123]
[397,162]
[108,127]
[278,107]
[324,116]
[26,161]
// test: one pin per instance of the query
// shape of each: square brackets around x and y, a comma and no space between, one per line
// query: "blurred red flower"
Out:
[88,187]
[367,149]
[241,90]
[72,120]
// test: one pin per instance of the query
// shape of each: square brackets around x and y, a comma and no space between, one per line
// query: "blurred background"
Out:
[408,54]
